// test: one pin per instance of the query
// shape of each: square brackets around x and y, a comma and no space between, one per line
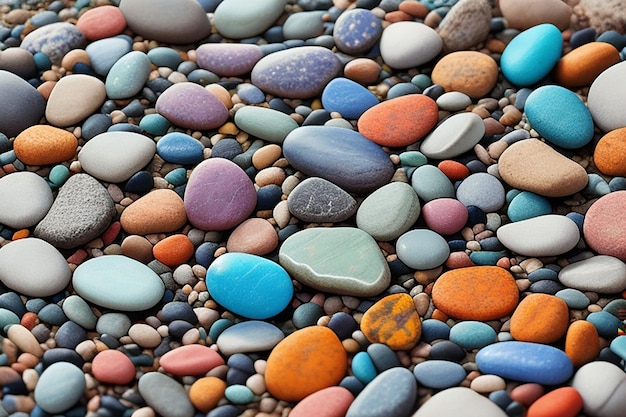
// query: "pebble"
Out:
[600,230]
[254,236]
[264,123]
[180,148]
[409,44]
[238,19]
[604,98]
[476,293]
[165,395]
[313,151]
[472,334]
[439,374]
[18,61]
[348,98]
[609,156]
[305,362]
[546,235]
[340,260]
[453,101]
[94,282]
[551,175]
[482,190]
[459,400]
[317,200]
[560,116]
[305,25]
[113,367]
[24,339]
[575,299]
[54,40]
[25,198]
[430,183]
[22,105]
[59,387]
[356,31]
[327,402]
[191,106]
[261,295]
[219,195]
[249,336]
[318,63]
[190,360]
[174,250]
[564,401]
[527,205]
[228,59]
[400,333]
[540,318]
[539,363]
[101,22]
[44,145]
[104,53]
[422,249]
[159,211]
[582,65]
[74,98]
[454,136]
[361,70]
[396,197]
[602,274]
[581,342]
[400,121]
[536,12]
[602,386]
[531,55]
[465,25]
[484,384]
[206,392]
[469,72]
[180,22]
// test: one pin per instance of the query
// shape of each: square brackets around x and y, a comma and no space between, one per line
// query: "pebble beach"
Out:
[297,208]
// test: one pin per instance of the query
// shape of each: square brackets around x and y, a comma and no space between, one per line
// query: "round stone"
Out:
[43,145]
[25,198]
[113,367]
[409,44]
[59,387]
[394,321]
[191,106]
[469,72]
[422,249]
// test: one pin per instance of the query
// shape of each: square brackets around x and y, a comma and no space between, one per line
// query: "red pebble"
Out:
[111,233]
[113,367]
[29,320]
[562,402]
[101,22]
[190,360]
[173,250]
[526,394]
[327,402]
[454,170]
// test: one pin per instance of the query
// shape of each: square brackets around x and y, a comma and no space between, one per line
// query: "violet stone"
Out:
[228,59]
[191,106]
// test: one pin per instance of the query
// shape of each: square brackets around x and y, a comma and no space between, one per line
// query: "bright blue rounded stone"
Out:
[180,148]
[527,205]
[532,54]
[439,374]
[559,116]
[348,98]
[472,334]
[363,368]
[249,285]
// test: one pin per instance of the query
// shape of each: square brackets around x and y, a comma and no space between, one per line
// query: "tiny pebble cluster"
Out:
[331,208]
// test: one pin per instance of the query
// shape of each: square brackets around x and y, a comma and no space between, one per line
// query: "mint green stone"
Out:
[342,260]
[128,75]
[7,318]
[239,19]
[267,124]
[58,175]
[77,310]
[412,159]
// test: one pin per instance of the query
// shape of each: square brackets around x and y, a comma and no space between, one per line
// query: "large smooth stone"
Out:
[74,98]
[55,40]
[105,52]
[430,183]
[603,388]
[165,395]
[191,106]
[356,31]
[190,360]
[602,274]
[392,393]
[167,21]
[454,136]
[393,321]
[525,362]
[547,235]
[439,374]
[21,105]
[128,75]
[605,98]
[118,283]
[340,260]
[524,15]
[238,19]
[249,285]
[33,267]
[482,190]
[249,336]
[228,59]
[459,401]
[116,156]
[409,44]
[25,198]
[348,98]
[59,387]
[422,249]
[341,156]
[604,226]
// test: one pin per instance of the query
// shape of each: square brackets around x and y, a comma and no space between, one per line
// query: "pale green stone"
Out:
[238,19]
[77,310]
[267,124]
[342,260]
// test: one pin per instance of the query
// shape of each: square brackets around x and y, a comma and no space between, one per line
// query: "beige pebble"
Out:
[289,184]
[221,93]
[529,13]
[159,211]
[266,156]
[281,214]
[256,383]
[496,148]
[137,247]
[30,378]
[87,349]
[485,384]
[24,340]
[144,412]
[144,335]
[255,236]
[422,303]
[271,175]
[465,25]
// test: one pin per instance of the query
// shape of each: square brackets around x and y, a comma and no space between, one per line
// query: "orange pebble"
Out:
[394,321]
[582,343]
[582,65]
[562,402]
[29,320]
[454,170]
[414,8]
[20,234]
[469,72]
[609,155]
[540,318]
[206,393]
[173,250]
[44,145]
[398,16]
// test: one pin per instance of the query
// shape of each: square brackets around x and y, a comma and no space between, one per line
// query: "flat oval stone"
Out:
[191,106]
[574,299]
[249,285]
[439,374]
[104,53]
[603,274]
[393,321]
[348,98]
[317,200]
[430,183]
[118,283]
[54,40]
[604,98]
[128,75]
[33,267]
[582,65]
[340,260]
[82,211]
[469,72]
[459,401]
[159,211]
[560,116]
[373,217]
[476,293]
[356,31]
[456,135]
[113,367]
[472,334]
[399,121]
[219,195]
[533,362]
[264,123]
[327,402]
[304,25]
[165,395]
[547,235]
[602,233]
[101,22]
[320,151]
[609,155]
[532,54]
[180,148]
[422,249]
[116,156]
[535,12]
[59,387]
[238,19]
[526,205]
[482,190]
[392,392]
[534,166]
[178,22]
[297,72]
[249,336]
[21,105]
[190,360]
[19,62]
[228,59]
[564,401]
[305,362]
[409,44]
[44,145]
[74,98]
[25,198]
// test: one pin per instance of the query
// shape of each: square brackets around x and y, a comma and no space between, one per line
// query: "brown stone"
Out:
[526,14]
[159,211]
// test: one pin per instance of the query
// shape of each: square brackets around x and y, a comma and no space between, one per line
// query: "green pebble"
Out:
[58,175]
[239,394]
[176,176]
[155,124]
[413,159]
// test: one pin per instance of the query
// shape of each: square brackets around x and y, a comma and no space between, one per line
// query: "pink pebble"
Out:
[526,394]
[113,367]
[328,402]
[458,260]
[101,22]
[190,360]
[604,228]
[445,216]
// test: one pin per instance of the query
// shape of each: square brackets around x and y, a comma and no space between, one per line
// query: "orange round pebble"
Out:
[476,293]
[101,22]
[562,402]
[173,250]
[159,211]
[20,234]
[113,367]
[397,16]
[582,65]
[609,155]
[540,318]
[582,343]
[454,170]
[469,72]
[29,320]
[44,145]
[393,320]
[362,70]
[414,8]
[399,121]
[255,236]
[206,393]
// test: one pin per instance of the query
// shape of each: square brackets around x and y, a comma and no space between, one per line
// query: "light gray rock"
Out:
[547,235]
[409,44]
[606,97]
[249,336]
[459,401]
[603,388]
[604,274]
[456,135]
[25,198]
[465,25]
[165,395]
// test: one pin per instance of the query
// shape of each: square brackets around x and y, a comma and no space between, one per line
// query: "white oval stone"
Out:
[116,156]
[604,274]
[25,198]
[74,98]
[603,388]
[33,267]
[409,44]
[606,98]
[459,401]
[456,135]
[453,101]
[547,235]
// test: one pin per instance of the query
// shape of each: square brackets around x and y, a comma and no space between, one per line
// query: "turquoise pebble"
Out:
[363,368]
[606,323]
[128,75]
[58,175]
[218,327]
[618,346]
[439,374]
[239,394]
[180,148]
[177,176]
[413,159]
[422,81]
[154,124]
[532,54]
[162,56]
[430,183]
[526,205]
[348,98]
[402,89]
[472,334]
[42,62]
[487,257]
[596,186]
[574,298]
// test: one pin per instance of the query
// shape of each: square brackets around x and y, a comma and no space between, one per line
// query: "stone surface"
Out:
[439,374]
[582,65]
[481,190]
[602,386]
[395,392]
[59,387]
[394,321]
[469,72]
[254,236]
[22,105]
[409,44]
[249,336]
[101,22]
[535,12]
[422,249]
[159,211]
[348,98]
[73,99]
[602,274]
[465,25]
[604,98]
[165,395]
[190,360]
[582,344]
[540,318]
[459,401]
[113,367]
[609,155]
[603,228]
[454,136]
[228,59]
[238,19]
[317,200]
[264,123]
[44,145]
[191,106]
[54,40]
[327,402]
[357,31]
[25,198]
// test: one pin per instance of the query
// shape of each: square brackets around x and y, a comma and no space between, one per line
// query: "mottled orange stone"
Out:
[609,154]
[394,321]
[540,318]
[582,344]
[173,250]
[582,65]
[562,402]
[44,145]
[469,72]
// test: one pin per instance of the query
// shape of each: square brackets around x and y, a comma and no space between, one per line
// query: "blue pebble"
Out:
[12,302]
[250,94]
[218,327]
[268,196]
[543,273]
[546,286]
[402,89]
[491,244]
[348,98]
[501,398]
[485,257]
[103,53]
[227,148]
[162,56]
[618,346]
[357,30]
[180,148]
[526,205]
[531,55]
[239,394]
[457,245]
[352,384]
[475,216]
[383,357]
[617,184]
[44,18]
[176,177]
[582,37]
[606,323]
[439,374]
[227,410]
[42,62]
[472,334]
[596,186]
[614,38]
[154,124]
[363,368]
[447,350]
[574,299]
[577,218]
[434,329]
[140,183]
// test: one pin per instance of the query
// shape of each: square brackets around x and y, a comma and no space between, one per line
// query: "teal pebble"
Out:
[267,124]
[7,318]
[164,57]
[218,327]
[155,124]
[526,205]
[606,323]
[615,306]
[363,368]
[128,75]
[487,257]
[472,334]
[422,81]
[202,77]
[574,298]
[58,175]
[177,176]
[239,394]
[307,314]
[60,386]
[596,187]
[402,89]
[617,184]
[430,183]
[42,62]
[618,346]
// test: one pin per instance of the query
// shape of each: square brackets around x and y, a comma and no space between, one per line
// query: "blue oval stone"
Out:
[439,374]
[526,205]
[472,334]
[363,368]
[348,98]
[180,148]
